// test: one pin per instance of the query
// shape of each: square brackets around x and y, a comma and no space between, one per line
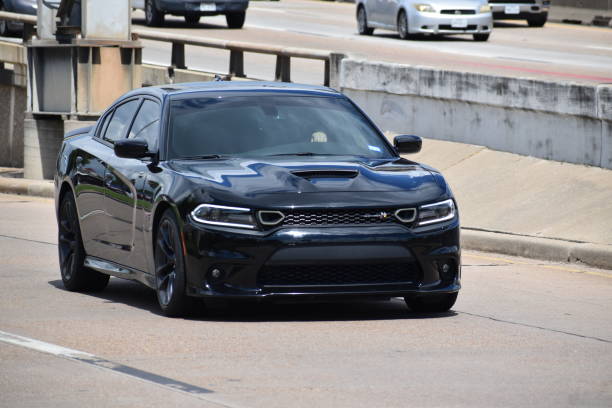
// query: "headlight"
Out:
[437,212]
[485,9]
[221,215]
[424,8]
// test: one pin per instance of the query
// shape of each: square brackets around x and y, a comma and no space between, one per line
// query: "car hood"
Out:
[278,183]
[454,4]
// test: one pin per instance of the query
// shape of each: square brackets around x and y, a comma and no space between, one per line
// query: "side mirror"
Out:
[407,143]
[132,148]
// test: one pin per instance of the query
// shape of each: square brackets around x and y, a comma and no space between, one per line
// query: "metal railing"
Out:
[236,49]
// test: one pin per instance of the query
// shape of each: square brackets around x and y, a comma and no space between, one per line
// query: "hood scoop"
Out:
[325,173]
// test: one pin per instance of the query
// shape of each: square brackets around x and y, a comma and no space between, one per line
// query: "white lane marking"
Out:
[599,47]
[92,360]
[42,346]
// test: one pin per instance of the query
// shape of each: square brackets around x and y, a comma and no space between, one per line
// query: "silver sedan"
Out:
[409,17]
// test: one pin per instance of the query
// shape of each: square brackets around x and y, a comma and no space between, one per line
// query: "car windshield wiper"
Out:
[201,157]
[304,154]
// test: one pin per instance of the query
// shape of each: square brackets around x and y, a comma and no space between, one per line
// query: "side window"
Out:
[120,121]
[104,125]
[146,124]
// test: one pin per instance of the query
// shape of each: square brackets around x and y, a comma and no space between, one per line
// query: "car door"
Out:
[389,10]
[90,167]
[119,194]
[125,180]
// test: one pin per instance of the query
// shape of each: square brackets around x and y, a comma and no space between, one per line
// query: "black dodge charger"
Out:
[253,190]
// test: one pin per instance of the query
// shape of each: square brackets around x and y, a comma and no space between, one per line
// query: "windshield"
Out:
[271,125]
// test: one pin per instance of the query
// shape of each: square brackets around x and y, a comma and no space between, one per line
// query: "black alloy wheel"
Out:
[438,303]
[75,276]
[362,22]
[402,25]
[153,17]
[170,267]
[192,19]
[481,37]
[235,20]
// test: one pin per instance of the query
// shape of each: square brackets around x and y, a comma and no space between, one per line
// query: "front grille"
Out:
[342,274]
[338,217]
[470,27]
[458,11]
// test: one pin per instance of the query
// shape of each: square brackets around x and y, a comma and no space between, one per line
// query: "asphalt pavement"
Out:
[523,333]
[558,52]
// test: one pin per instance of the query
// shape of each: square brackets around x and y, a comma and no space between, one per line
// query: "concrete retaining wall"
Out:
[556,121]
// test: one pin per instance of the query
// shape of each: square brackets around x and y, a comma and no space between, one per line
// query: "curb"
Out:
[548,249]
[39,188]
[596,255]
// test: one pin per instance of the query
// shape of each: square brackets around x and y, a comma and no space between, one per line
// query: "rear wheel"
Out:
[481,37]
[362,22]
[4,30]
[235,20]
[170,267]
[192,19]
[537,20]
[75,276]
[153,17]
[437,303]
[402,25]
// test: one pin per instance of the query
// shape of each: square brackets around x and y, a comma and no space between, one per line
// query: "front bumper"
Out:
[182,8]
[436,23]
[389,261]
[518,11]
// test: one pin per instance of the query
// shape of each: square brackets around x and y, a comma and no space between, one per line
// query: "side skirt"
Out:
[119,271]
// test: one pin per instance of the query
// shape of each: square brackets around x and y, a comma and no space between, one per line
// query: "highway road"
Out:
[523,333]
[558,52]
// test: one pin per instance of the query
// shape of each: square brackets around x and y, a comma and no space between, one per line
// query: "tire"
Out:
[235,20]
[192,19]
[362,22]
[153,16]
[432,303]
[481,37]
[537,20]
[4,28]
[402,25]
[75,276]
[170,268]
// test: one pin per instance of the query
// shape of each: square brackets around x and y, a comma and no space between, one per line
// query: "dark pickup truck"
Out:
[192,11]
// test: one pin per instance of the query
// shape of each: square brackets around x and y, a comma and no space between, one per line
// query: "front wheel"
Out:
[481,37]
[437,303]
[362,22]
[153,17]
[402,25]
[537,20]
[75,276]
[192,19]
[170,267]
[235,20]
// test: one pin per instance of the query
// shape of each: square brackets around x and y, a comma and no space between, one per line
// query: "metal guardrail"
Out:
[236,49]
[28,21]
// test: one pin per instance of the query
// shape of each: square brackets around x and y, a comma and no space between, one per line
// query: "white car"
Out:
[534,11]
[409,17]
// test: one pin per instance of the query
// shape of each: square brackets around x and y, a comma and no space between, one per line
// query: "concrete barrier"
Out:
[557,121]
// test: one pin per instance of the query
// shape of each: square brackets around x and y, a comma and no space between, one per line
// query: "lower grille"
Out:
[343,274]
[458,12]
[449,27]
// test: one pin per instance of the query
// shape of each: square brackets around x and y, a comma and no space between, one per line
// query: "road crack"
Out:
[532,326]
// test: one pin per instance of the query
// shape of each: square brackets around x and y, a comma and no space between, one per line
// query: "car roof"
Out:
[230,86]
